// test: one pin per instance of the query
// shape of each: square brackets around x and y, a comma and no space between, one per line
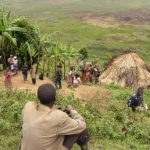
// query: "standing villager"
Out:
[33,75]
[83,74]
[11,62]
[91,73]
[8,77]
[58,77]
[71,76]
[46,127]
[86,74]
[136,99]
[15,64]
[96,73]
[25,72]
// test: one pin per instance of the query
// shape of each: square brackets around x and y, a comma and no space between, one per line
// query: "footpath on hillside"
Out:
[83,92]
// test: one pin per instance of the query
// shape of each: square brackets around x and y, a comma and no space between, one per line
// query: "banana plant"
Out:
[68,53]
[8,28]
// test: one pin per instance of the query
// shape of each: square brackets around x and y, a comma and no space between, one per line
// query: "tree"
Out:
[8,28]
[46,47]
[68,53]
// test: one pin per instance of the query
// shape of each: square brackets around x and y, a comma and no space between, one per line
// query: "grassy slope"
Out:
[52,16]
[105,123]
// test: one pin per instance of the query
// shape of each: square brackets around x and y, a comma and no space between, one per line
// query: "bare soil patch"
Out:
[87,93]
[18,83]
[113,20]
[83,92]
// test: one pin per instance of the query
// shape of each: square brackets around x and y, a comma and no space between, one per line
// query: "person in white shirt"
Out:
[77,80]
[71,76]
[15,65]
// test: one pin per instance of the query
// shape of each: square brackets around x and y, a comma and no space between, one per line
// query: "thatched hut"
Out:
[127,70]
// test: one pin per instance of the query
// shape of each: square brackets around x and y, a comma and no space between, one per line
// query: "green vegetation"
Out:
[111,127]
[20,37]
[64,16]
[17,34]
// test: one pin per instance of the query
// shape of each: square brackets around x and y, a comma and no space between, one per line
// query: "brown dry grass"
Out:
[127,70]
[114,20]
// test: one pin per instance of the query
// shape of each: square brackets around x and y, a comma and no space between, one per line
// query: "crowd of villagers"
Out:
[12,70]
[86,73]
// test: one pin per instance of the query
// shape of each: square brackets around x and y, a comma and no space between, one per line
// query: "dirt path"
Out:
[83,92]
[18,83]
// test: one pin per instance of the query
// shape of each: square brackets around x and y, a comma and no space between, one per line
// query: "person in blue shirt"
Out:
[136,99]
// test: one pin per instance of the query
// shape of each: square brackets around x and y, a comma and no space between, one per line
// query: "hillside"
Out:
[112,125]
[106,28]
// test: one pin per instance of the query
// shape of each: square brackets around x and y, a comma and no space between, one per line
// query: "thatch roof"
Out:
[127,70]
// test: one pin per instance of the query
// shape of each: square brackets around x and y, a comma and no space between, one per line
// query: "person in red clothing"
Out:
[8,76]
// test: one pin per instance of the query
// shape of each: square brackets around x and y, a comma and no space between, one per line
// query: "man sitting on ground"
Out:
[48,128]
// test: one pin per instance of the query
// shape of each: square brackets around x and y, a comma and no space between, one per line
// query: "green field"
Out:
[62,16]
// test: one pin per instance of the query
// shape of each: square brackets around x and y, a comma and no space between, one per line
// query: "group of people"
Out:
[32,71]
[8,74]
[12,70]
[13,66]
[90,73]
[13,63]
[86,73]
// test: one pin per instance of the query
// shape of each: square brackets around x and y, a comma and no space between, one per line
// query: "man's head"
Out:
[47,94]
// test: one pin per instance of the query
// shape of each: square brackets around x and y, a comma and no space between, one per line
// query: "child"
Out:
[8,76]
